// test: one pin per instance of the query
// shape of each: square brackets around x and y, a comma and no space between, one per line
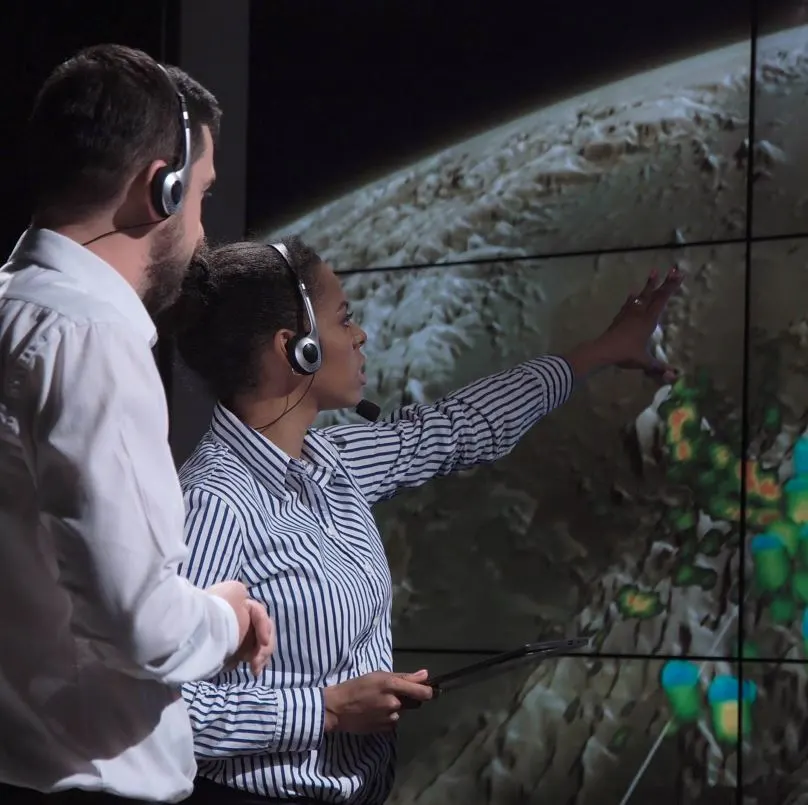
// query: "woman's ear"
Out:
[280,345]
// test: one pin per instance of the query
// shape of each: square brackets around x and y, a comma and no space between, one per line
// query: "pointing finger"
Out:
[651,285]
[665,291]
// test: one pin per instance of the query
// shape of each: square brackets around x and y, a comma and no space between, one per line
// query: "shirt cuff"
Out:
[232,625]
[300,722]
[556,376]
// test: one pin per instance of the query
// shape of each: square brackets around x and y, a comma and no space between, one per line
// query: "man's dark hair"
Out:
[235,298]
[102,117]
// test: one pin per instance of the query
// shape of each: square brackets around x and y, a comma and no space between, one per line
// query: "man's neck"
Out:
[123,253]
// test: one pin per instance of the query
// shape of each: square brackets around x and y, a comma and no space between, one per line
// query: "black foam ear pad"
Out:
[157,185]
[176,191]
[167,192]
[303,354]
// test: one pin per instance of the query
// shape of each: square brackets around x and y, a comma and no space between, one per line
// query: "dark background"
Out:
[344,92]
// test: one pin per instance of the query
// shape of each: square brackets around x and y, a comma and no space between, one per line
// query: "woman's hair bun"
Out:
[196,291]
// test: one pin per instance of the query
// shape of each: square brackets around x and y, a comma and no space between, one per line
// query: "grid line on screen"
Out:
[696,244]
[754,30]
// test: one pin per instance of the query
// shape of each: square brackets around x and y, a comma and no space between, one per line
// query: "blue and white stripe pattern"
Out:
[301,535]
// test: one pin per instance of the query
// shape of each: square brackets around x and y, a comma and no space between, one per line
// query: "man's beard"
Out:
[168,265]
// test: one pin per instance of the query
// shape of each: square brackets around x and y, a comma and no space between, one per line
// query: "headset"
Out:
[169,184]
[303,350]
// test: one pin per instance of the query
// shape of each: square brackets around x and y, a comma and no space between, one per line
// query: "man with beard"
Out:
[99,630]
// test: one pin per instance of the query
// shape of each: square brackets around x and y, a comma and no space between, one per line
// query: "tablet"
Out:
[507,661]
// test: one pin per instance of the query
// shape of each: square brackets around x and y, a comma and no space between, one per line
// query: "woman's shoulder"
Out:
[214,468]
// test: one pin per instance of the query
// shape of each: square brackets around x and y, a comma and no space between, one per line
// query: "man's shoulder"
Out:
[53,299]
[33,334]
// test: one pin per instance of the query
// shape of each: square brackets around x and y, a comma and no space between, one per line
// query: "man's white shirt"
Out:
[98,630]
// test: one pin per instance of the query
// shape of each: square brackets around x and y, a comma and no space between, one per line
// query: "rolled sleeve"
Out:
[300,719]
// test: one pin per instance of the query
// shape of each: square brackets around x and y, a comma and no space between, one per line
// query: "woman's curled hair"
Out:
[234,299]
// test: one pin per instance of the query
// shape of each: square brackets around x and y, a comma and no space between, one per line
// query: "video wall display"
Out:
[780,169]
[617,515]
[491,186]
[601,731]
[776,559]
[425,134]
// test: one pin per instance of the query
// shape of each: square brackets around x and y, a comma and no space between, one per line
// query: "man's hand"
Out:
[259,644]
[256,631]
[371,703]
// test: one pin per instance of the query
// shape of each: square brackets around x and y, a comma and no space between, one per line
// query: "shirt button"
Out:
[332,532]
[367,566]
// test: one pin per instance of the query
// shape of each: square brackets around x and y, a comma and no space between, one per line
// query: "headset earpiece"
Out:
[167,192]
[304,354]
[303,350]
[169,184]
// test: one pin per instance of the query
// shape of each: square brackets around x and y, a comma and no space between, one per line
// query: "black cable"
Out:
[745,374]
[535,256]
[119,229]
[287,410]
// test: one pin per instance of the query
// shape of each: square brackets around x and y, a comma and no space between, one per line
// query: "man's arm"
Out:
[110,499]
[476,425]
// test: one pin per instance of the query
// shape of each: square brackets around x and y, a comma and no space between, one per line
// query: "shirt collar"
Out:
[319,457]
[96,277]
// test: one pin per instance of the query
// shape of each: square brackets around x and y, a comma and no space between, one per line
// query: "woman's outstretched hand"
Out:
[627,340]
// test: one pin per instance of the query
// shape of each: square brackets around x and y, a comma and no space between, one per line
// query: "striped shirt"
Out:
[301,535]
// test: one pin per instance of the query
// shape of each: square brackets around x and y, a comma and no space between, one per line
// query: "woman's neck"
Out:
[283,420]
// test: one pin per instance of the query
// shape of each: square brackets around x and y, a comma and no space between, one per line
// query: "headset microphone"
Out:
[368,410]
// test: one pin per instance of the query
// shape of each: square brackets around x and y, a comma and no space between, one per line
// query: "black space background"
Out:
[344,92]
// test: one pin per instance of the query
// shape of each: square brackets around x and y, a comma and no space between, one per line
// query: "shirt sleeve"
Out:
[239,719]
[110,499]
[478,424]
[245,719]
